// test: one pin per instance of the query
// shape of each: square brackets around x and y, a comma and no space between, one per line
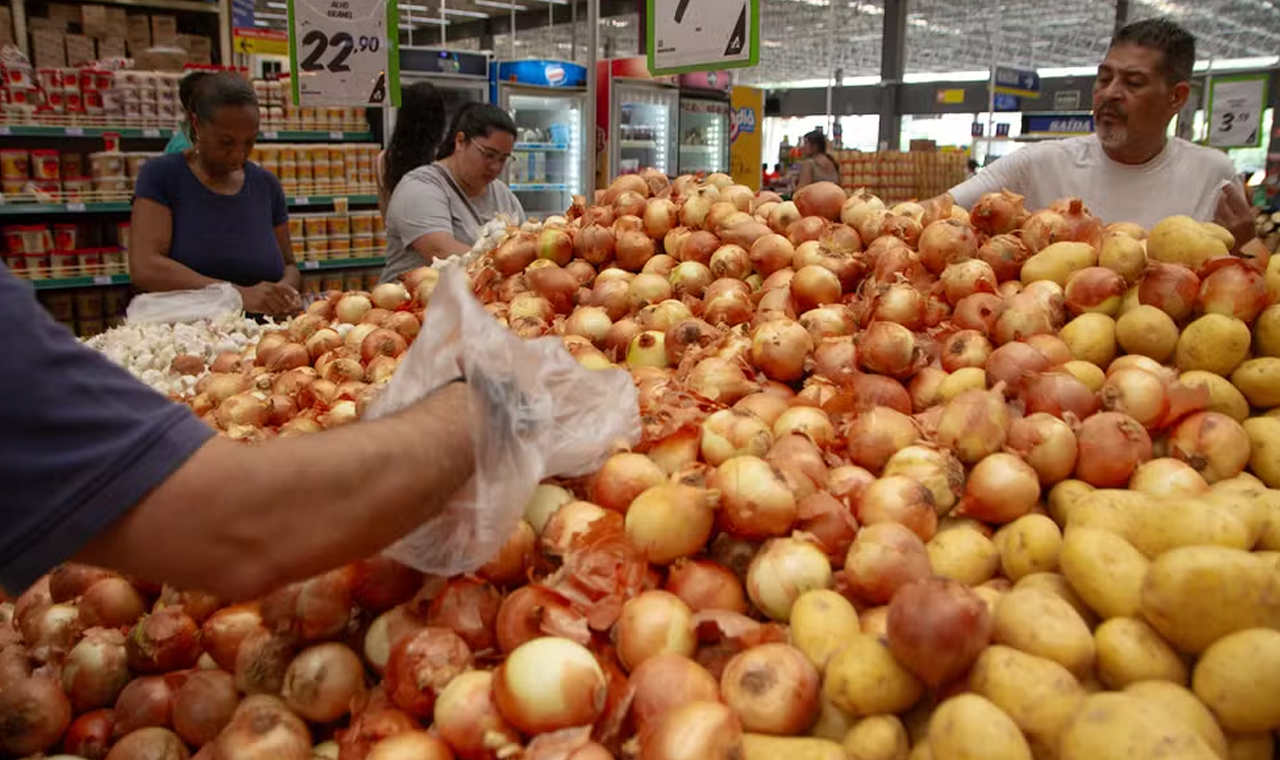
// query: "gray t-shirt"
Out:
[426,201]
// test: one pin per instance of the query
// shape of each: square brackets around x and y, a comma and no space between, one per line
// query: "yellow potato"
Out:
[1130,650]
[1090,374]
[921,751]
[1119,511]
[832,723]
[1124,255]
[878,737]
[1238,677]
[1253,505]
[821,622]
[1030,544]
[963,554]
[765,747]
[1130,301]
[1126,229]
[1242,482]
[1038,694]
[1272,278]
[1213,343]
[1091,338]
[1118,726]
[1259,381]
[989,596]
[1195,595]
[1251,747]
[969,727]
[1057,262]
[863,678]
[1105,570]
[1063,496]
[1222,234]
[1056,583]
[1264,455]
[1188,521]
[1147,331]
[1266,332]
[1183,240]
[1040,623]
[1184,707]
[875,622]
[1224,397]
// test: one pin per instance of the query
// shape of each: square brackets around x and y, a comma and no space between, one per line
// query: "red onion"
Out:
[937,628]
[203,706]
[34,713]
[773,688]
[1215,445]
[1112,445]
[884,558]
[90,735]
[469,608]
[95,670]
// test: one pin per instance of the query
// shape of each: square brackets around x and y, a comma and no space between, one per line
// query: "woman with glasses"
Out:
[437,210]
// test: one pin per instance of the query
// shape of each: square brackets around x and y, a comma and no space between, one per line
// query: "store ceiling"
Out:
[942,35]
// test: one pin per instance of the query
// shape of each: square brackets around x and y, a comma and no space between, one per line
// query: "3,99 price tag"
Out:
[344,52]
[1235,111]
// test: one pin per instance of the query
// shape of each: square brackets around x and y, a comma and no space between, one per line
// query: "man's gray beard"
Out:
[1113,137]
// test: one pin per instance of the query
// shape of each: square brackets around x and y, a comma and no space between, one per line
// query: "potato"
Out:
[1183,240]
[1259,381]
[1090,374]
[969,727]
[1057,262]
[875,621]
[1167,477]
[1147,331]
[1105,570]
[1266,332]
[963,554]
[832,723]
[1117,510]
[1184,707]
[1126,229]
[879,737]
[1172,522]
[1063,496]
[1221,233]
[1118,726]
[1091,338]
[1242,482]
[1130,301]
[963,379]
[921,751]
[1264,453]
[1040,623]
[1130,650]
[1251,746]
[1124,255]
[765,747]
[821,622]
[863,678]
[1238,677]
[1057,584]
[1195,595]
[1213,343]
[1272,278]
[1030,544]
[1224,397]
[989,596]
[1038,694]
[1254,507]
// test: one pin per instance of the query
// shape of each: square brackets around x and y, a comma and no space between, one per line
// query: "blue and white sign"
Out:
[543,73]
[1057,124]
[1020,82]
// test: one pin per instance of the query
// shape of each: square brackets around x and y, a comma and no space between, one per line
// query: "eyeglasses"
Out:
[491,155]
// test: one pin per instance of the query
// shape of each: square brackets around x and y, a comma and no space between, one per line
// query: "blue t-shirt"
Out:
[226,237]
[81,441]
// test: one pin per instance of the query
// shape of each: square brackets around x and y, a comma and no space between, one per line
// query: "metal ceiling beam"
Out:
[893,66]
[1122,14]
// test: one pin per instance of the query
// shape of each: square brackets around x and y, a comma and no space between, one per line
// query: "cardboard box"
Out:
[138,26]
[6,25]
[80,50]
[64,12]
[48,49]
[93,20]
[112,47]
[195,44]
[47,25]
[117,23]
[164,31]
[161,59]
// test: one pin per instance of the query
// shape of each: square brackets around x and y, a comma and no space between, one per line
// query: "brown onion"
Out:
[998,213]
[1215,445]
[771,253]
[705,585]
[773,688]
[756,501]
[1112,445]
[878,433]
[1001,488]
[152,744]
[1233,287]
[1059,394]
[164,641]
[974,424]
[145,701]
[1047,444]
[322,681]
[694,731]
[946,242]
[901,304]
[824,199]
[966,348]
[203,706]
[900,500]
[262,728]
[90,735]
[889,349]
[882,559]
[966,278]
[1171,288]
[34,713]
[1014,364]
[937,627]
[423,664]
[95,670]
[225,630]
[978,312]
[1095,289]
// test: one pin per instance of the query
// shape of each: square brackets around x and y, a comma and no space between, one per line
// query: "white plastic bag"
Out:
[540,413]
[186,305]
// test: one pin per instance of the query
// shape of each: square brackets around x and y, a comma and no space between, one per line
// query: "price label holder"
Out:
[102,279]
[301,200]
[335,135]
[76,207]
[150,132]
[1236,104]
[74,131]
[5,131]
[344,52]
[271,135]
[310,265]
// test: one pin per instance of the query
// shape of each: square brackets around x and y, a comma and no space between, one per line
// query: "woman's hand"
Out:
[275,299]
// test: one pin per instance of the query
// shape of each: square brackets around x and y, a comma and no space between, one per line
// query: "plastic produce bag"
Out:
[186,305]
[539,414]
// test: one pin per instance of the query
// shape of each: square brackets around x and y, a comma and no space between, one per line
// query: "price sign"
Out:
[702,35]
[1235,111]
[344,52]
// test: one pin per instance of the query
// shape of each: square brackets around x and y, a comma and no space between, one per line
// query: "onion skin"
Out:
[164,641]
[884,558]
[937,628]
[468,607]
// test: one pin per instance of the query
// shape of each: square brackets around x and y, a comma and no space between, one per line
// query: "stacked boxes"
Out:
[897,177]
[320,168]
[337,235]
[74,35]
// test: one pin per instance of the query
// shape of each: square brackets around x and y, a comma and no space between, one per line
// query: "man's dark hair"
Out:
[1177,44]
[221,90]
[476,120]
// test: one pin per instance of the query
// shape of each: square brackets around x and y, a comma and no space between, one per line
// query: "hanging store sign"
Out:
[259,41]
[344,52]
[951,97]
[1020,82]
[1236,104]
[1066,100]
[702,35]
[1056,124]
[745,143]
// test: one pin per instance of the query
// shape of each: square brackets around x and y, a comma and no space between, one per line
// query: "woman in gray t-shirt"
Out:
[437,210]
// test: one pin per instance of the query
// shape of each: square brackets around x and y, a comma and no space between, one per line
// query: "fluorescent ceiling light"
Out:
[1225,64]
[424,20]
[1068,71]
[461,12]
[948,76]
[497,4]
[280,6]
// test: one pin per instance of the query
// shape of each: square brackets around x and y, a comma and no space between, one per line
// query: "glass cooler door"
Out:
[704,136]
[546,169]
[644,128]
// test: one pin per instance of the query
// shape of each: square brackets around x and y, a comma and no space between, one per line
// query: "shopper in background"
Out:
[208,215]
[818,165]
[1129,170]
[181,139]
[437,211]
[420,125]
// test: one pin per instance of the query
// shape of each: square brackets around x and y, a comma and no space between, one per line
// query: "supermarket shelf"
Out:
[370,261]
[543,147]
[327,200]
[314,136]
[34,130]
[101,280]
[538,186]
[34,209]
[639,144]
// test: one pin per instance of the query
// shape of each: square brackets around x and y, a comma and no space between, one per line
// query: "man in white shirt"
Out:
[1129,170]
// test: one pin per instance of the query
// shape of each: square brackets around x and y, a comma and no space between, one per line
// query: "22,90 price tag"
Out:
[344,52]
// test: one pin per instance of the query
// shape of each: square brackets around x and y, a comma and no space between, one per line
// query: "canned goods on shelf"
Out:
[333,282]
[353,281]
[107,164]
[112,184]
[339,248]
[15,164]
[363,246]
[295,227]
[76,188]
[44,164]
[38,265]
[315,226]
[338,225]
[122,235]
[90,261]
[362,222]
[60,304]
[115,300]
[65,236]
[64,264]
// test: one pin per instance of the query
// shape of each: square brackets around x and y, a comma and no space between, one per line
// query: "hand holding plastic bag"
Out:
[186,305]
[540,414]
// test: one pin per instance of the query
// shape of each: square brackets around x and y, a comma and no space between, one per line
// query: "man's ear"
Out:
[1181,91]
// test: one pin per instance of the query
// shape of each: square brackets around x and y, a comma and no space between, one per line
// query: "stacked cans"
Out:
[320,168]
[337,235]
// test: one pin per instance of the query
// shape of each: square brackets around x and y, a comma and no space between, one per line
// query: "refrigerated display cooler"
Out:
[547,100]
[636,119]
[461,76]
[704,122]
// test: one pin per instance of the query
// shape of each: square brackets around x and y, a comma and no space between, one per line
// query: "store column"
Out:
[893,64]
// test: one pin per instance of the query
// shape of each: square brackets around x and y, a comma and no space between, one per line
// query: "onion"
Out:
[998,213]
[594,244]
[978,312]
[568,522]
[937,469]
[905,228]
[771,253]
[646,289]
[705,585]
[756,501]
[1060,394]
[901,500]
[151,744]
[410,745]
[966,278]
[835,358]
[966,348]
[143,702]
[870,391]
[1215,445]
[807,228]
[937,627]
[815,286]
[203,706]
[800,461]
[318,608]
[925,388]
[90,735]
[111,602]
[262,728]
[1023,316]
[900,304]
[582,271]
[350,310]
[1005,254]
[467,717]
[322,680]
[1095,289]
[469,608]
[779,348]
[514,255]
[549,683]
[511,564]
[1167,477]
[808,421]
[164,641]
[664,683]
[824,199]
[731,310]
[632,250]
[1171,288]
[1014,364]
[622,478]
[783,216]
[1112,445]
[875,435]
[555,284]
[533,611]
[882,559]
[773,688]
[719,380]
[95,670]
[690,278]
[1001,488]
[730,261]
[660,217]
[381,583]
[946,242]
[371,723]
[677,451]
[670,520]
[973,424]
[782,571]
[1140,394]
[1047,444]
[261,662]
[34,713]
[225,630]
[419,667]
[647,349]
[651,624]
[70,580]
[1233,287]
[698,247]
[889,349]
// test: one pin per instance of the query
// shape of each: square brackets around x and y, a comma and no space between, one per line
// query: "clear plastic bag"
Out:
[539,414]
[186,305]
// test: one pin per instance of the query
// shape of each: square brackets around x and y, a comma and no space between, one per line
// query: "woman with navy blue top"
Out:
[208,215]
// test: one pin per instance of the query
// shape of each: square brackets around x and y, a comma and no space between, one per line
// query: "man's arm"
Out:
[1005,173]
[239,520]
